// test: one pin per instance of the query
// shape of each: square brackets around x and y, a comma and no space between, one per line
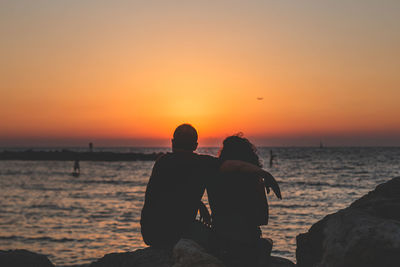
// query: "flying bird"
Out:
[260,98]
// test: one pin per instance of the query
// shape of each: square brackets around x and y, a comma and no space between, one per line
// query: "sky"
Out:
[285,73]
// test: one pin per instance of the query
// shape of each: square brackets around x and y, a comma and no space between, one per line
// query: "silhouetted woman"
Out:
[239,206]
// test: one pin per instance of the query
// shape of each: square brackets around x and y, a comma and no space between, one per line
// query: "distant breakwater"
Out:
[67,155]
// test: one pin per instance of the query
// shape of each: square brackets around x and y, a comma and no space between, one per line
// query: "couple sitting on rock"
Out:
[235,186]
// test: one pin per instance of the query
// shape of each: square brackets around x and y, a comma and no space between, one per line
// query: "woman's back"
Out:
[238,204]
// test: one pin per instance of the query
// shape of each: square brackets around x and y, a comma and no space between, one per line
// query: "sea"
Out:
[76,220]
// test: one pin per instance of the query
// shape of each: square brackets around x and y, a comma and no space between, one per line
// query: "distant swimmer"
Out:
[77,168]
[91,147]
[271,158]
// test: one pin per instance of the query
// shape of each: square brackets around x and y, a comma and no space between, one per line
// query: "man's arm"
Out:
[246,168]
[154,186]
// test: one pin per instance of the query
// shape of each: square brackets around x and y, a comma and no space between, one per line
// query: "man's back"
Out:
[173,194]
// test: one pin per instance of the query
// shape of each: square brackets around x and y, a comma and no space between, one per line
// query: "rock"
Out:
[280,262]
[23,258]
[188,253]
[367,233]
[185,253]
[147,257]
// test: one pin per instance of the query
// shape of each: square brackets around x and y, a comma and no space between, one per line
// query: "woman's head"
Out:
[236,147]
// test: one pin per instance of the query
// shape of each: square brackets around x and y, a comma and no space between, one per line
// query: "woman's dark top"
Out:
[239,206]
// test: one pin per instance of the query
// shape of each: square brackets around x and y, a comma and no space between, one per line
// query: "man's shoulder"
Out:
[169,158]
[163,157]
[209,161]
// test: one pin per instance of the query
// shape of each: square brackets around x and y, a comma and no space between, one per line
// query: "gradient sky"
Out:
[128,72]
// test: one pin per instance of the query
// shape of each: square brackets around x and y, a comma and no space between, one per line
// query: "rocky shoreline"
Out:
[367,234]
[147,257]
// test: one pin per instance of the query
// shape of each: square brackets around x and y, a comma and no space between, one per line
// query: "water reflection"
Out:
[77,219]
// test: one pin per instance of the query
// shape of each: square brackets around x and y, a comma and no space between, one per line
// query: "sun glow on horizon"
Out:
[135,71]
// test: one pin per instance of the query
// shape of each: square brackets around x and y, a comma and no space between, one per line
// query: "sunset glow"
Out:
[130,73]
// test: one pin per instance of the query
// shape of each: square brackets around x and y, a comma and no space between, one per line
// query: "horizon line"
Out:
[205,146]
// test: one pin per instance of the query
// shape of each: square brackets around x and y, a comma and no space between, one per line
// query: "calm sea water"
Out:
[77,220]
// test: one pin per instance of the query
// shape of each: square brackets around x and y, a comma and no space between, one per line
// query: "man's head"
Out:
[185,138]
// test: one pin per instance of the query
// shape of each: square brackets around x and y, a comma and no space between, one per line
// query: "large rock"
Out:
[147,257]
[365,234]
[23,258]
[185,254]
[280,262]
[188,253]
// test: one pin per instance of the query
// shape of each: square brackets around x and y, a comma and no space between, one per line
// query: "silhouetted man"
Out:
[176,186]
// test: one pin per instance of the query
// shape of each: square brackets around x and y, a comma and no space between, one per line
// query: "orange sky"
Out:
[75,71]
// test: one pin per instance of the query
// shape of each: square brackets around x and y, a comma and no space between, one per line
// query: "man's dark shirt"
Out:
[173,194]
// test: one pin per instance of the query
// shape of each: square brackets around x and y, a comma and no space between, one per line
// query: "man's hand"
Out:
[205,216]
[270,182]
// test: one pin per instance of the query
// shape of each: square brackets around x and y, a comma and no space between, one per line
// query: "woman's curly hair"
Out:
[236,147]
